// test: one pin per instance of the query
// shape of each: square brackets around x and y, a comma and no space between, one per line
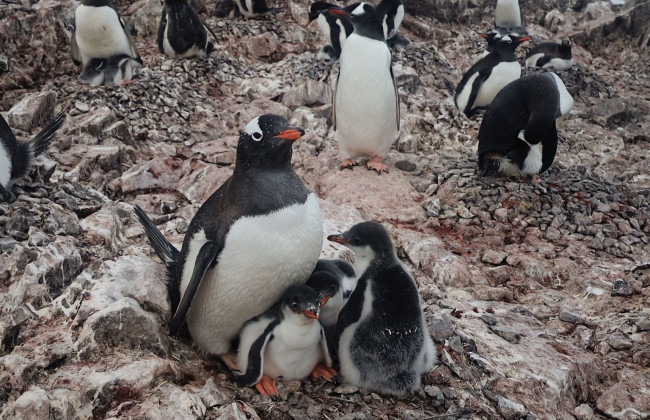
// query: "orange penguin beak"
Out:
[524,38]
[483,35]
[291,133]
[324,300]
[310,314]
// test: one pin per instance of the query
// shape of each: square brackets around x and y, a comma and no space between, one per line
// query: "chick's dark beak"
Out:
[339,239]
[291,133]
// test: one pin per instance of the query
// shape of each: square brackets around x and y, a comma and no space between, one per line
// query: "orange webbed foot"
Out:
[376,165]
[324,372]
[230,359]
[347,164]
[266,386]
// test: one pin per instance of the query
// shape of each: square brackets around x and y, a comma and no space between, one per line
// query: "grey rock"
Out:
[619,341]
[263,45]
[489,319]
[307,93]
[584,412]
[621,288]
[506,334]
[94,122]
[35,109]
[237,411]
[441,328]
[494,257]
[32,404]
[406,165]
[643,324]
[105,227]
[509,409]
[438,398]
[19,223]
[571,317]
[501,215]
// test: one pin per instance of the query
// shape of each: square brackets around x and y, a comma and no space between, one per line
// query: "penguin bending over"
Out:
[100,33]
[518,133]
[16,159]
[287,340]
[182,32]
[391,13]
[383,342]
[366,103]
[246,8]
[258,234]
[489,75]
[550,54]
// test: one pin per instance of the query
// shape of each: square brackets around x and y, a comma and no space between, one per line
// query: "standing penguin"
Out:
[391,13]
[383,342]
[182,32]
[259,233]
[507,15]
[334,28]
[518,133]
[491,37]
[287,340]
[16,159]
[366,103]
[489,75]
[550,54]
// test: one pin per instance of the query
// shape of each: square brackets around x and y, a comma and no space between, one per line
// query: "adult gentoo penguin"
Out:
[16,159]
[182,32]
[383,342]
[486,77]
[100,33]
[366,102]
[507,15]
[391,13]
[258,234]
[287,340]
[334,28]
[491,37]
[518,133]
[550,54]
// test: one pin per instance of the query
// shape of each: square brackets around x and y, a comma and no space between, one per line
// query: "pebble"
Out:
[345,389]
[501,215]
[571,317]
[438,398]
[494,257]
[619,341]
[643,324]
[621,288]
[489,319]
[506,334]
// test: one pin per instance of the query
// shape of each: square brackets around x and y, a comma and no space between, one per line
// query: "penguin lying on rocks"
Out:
[383,342]
[258,234]
[550,54]
[16,159]
[285,341]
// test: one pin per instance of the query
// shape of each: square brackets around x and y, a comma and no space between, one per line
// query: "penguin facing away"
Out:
[259,233]
[550,54]
[100,33]
[16,159]
[518,133]
[182,33]
[489,75]
[366,103]
[383,342]
[287,340]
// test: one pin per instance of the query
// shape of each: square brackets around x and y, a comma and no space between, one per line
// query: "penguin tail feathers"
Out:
[450,86]
[490,166]
[167,253]
[42,141]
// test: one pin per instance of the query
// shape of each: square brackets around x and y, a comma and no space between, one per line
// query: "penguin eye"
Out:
[294,306]
[332,288]
[356,240]
[257,136]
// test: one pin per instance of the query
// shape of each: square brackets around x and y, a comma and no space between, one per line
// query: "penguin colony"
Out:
[292,314]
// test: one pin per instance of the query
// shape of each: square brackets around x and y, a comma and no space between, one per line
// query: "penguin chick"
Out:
[550,54]
[287,340]
[489,75]
[342,270]
[100,33]
[182,33]
[330,294]
[518,133]
[259,233]
[16,159]
[383,342]
[366,103]
[93,72]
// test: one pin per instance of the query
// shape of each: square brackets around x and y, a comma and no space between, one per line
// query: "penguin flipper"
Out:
[334,101]
[24,157]
[325,347]
[397,112]
[4,194]
[450,86]
[254,337]
[205,25]
[205,258]
[134,51]
[74,49]
[161,31]
[476,86]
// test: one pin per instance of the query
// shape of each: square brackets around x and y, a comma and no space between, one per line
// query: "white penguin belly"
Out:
[566,100]
[502,74]
[348,369]
[507,14]
[5,167]
[559,63]
[533,161]
[99,33]
[294,351]
[262,257]
[366,114]
[532,60]
[169,51]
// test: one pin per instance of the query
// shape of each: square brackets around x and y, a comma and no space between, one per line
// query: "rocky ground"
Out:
[537,295]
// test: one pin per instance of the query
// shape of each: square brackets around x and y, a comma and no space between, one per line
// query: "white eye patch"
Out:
[359,10]
[253,129]
[506,39]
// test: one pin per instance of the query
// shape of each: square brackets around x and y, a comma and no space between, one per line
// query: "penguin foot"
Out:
[347,164]
[266,386]
[375,164]
[324,372]
[230,359]
[127,82]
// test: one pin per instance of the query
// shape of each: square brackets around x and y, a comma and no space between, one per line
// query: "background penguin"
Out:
[334,28]
[383,342]
[100,33]
[342,270]
[259,233]
[491,37]
[182,32]
[486,77]
[286,340]
[391,13]
[507,16]
[366,103]
[16,159]
[518,134]
[252,8]
[550,54]
[331,296]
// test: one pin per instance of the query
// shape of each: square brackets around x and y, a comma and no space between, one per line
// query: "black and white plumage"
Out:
[258,234]
[334,28]
[335,280]
[507,16]
[481,83]
[115,70]
[383,341]
[391,13]
[252,8]
[100,33]
[551,54]
[491,37]
[16,159]
[182,33]
[518,133]
[366,103]
[287,340]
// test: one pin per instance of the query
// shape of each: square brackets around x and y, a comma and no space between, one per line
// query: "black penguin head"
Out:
[301,300]
[266,142]
[316,8]
[325,284]
[491,37]
[510,42]
[369,241]
[366,21]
